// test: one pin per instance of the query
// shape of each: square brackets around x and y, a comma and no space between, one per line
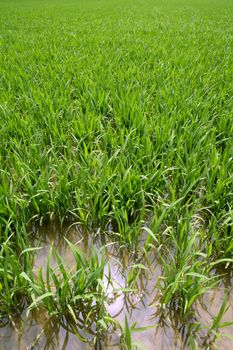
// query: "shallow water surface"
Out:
[38,331]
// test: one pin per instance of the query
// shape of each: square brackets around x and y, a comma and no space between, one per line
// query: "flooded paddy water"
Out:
[37,330]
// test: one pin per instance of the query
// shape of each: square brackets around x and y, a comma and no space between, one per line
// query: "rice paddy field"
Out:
[116,174]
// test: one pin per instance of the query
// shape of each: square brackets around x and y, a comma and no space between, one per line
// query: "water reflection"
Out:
[39,331]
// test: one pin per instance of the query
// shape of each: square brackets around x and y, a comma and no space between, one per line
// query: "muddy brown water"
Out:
[37,331]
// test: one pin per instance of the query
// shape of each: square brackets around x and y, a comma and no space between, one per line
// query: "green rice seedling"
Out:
[13,290]
[126,341]
[221,236]
[118,115]
[213,332]
[76,292]
[187,275]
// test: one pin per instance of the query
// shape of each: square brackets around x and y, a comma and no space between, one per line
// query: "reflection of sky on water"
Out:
[138,306]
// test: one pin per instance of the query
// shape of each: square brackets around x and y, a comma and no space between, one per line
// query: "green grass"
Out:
[118,115]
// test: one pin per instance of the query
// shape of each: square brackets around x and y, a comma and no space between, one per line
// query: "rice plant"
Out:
[116,116]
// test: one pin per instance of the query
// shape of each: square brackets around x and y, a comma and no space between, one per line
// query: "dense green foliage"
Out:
[117,114]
